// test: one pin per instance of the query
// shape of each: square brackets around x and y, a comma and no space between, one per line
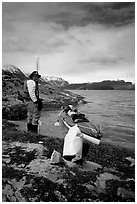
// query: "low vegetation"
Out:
[28,175]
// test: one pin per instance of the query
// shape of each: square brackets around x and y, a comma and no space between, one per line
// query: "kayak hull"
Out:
[90,132]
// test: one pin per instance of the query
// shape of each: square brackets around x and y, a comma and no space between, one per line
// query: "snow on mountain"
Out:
[53,81]
[50,78]
[12,69]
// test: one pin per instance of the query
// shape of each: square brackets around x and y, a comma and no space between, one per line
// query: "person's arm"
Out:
[79,133]
[31,89]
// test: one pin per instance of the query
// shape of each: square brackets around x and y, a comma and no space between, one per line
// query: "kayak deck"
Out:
[87,127]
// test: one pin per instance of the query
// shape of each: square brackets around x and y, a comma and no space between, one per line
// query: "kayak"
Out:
[89,130]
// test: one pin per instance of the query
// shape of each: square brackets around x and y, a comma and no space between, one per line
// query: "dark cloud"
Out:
[81,14]
[71,13]
[121,5]
[116,14]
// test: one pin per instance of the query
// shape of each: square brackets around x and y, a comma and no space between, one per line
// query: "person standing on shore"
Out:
[33,102]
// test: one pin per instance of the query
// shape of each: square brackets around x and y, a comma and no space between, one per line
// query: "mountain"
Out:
[49,87]
[55,81]
[13,79]
[104,85]
[15,72]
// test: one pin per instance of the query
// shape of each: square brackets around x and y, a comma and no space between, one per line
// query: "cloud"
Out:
[82,14]
[33,37]
[116,14]
[72,39]
[104,45]
[71,13]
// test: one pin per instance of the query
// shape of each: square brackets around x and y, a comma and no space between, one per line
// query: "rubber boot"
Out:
[34,128]
[29,127]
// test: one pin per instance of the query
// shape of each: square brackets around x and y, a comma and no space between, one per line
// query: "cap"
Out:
[35,73]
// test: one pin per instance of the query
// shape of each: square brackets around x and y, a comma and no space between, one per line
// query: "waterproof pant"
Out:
[33,114]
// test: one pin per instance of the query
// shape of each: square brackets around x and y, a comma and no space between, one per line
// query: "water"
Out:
[113,111]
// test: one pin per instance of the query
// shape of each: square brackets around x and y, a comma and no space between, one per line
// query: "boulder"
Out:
[90,166]
[101,181]
[55,158]
[125,194]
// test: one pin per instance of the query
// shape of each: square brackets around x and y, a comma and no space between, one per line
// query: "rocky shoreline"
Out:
[13,106]
[28,175]
[14,109]
[108,175]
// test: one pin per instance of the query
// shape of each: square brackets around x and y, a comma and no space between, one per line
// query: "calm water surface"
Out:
[112,111]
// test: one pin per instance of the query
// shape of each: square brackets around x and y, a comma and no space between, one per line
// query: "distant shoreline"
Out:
[103,85]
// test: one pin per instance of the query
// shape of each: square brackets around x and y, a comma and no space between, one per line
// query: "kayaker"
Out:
[73,144]
[33,102]
[69,109]
[75,149]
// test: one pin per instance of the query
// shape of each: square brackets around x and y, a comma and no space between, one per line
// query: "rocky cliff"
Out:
[12,90]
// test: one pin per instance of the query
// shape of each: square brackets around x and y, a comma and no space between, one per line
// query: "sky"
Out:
[77,41]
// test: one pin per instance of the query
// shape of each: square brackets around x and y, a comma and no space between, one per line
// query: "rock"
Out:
[71,164]
[61,197]
[55,158]
[130,159]
[40,166]
[21,166]
[130,179]
[86,166]
[90,166]
[124,193]
[60,181]
[19,197]
[12,194]
[29,147]
[110,170]
[8,161]
[90,187]
[43,168]
[102,179]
